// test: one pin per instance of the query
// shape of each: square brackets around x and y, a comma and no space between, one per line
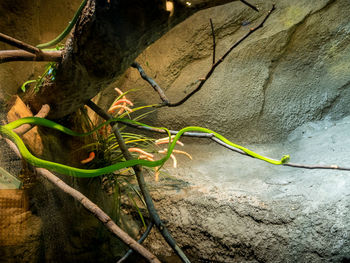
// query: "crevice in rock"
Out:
[275,62]
[326,7]
[331,104]
[290,33]
[272,67]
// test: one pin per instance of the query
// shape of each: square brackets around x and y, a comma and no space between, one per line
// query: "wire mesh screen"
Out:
[13,216]
[13,202]
[10,163]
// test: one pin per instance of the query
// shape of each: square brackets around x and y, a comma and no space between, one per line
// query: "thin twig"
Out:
[250,5]
[308,166]
[154,85]
[19,44]
[93,208]
[165,101]
[142,184]
[218,141]
[251,31]
[20,55]
[213,35]
[142,238]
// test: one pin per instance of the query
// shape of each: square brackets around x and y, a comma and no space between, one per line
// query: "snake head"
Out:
[285,159]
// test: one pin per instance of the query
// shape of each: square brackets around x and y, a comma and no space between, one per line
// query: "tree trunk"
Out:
[107,38]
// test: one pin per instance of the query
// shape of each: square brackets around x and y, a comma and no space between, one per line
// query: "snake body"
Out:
[66,31]
[7,131]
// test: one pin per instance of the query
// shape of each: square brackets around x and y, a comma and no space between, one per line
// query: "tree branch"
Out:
[142,238]
[44,111]
[210,72]
[218,141]
[154,85]
[20,55]
[19,44]
[211,136]
[250,5]
[99,214]
[213,35]
[203,4]
[142,184]
[93,208]
[165,101]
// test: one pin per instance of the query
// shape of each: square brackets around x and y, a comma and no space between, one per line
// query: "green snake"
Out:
[65,32]
[7,131]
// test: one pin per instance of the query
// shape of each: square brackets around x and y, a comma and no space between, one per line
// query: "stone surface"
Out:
[238,209]
[293,70]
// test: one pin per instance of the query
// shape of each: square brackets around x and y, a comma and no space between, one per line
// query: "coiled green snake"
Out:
[7,131]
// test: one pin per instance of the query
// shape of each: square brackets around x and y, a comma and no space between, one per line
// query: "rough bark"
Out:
[107,38]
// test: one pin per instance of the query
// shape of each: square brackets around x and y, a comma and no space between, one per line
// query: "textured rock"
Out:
[294,70]
[238,209]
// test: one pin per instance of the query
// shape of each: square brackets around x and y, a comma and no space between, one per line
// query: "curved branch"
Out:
[151,81]
[158,89]
[213,36]
[204,4]
[99,214]
[250,5]
[18,43]
[210,72]
[21,55]
[142,238]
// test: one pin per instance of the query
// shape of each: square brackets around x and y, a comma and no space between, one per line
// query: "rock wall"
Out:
[239,209]
[293,70]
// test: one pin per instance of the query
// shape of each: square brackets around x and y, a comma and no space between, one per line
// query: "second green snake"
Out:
[7,130]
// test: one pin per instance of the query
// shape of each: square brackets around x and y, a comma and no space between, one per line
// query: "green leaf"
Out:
[137,209]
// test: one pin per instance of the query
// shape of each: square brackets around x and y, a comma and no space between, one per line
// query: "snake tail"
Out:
[66,31]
